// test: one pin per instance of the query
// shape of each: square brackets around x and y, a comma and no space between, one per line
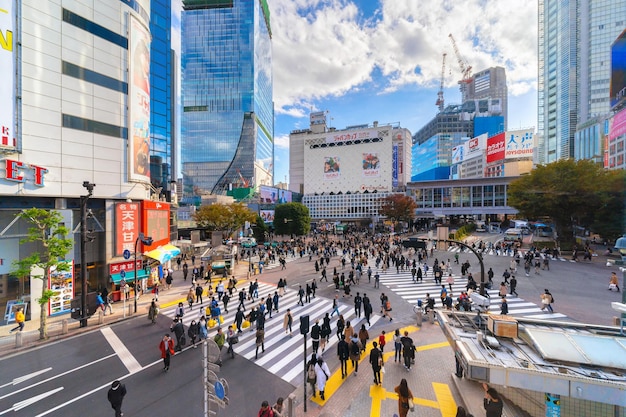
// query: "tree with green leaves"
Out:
[572,193]
[398,208]
[224,217]
[292,219]
[260,229]
[47,230]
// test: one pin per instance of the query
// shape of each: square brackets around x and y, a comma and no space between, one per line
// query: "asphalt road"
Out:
[73,376]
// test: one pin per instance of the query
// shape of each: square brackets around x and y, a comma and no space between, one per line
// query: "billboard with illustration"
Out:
[139,102]
[519,144]
[371,164]
[61,283]
[267,215]
[332,169]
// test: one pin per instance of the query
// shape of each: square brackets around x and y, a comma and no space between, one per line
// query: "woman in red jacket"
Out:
[167,350]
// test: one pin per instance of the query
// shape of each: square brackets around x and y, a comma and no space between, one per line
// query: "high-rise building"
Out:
[490,84]
[228,112]
[162,98]
[574,68]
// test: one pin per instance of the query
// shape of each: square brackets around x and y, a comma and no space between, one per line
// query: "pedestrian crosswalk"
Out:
[402,284]
[499,252]
[283,353]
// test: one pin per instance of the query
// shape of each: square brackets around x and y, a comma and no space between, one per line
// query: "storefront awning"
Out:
[163,253]
[130,276]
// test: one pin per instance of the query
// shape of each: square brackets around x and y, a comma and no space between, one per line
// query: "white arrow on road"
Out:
[25,377]
[22,404]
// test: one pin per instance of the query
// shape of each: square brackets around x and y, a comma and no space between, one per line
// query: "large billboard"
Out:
[519,144]
[618,70]
[495,147]
[7,69]
[139,102]
[371,164]
[332,168]
[267,215]
[471,148]
[127,223]
[271,195]
[156,223]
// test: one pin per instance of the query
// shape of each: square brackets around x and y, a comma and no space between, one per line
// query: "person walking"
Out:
[199,292]
[19,320]
[343,353]
[355,353]
[266,410]
[191,297]
[492,402]
[300,296]
[513,286]
[287,322]
[376,360]
[382,341]
[239,316]
[325,332]
[357,305]
[167,351]
[116,396]
[504,307]
[232,339]
[613,282]
[408,350]
[503,289]
[367,309]
[311,377]
[193,332]
[363,337]
[546,300]
[322,373]
[315,335]
[275,300]
[335,305]
[405,398]
[242,299]
[179,331]
[397,344]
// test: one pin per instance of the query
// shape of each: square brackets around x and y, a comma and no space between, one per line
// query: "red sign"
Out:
[156,222]
[118,267]
[14,171]
[126,226]
[618,127]
[495,147]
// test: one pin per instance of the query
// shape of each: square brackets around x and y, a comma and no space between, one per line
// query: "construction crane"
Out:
[466,69]
[440,101]
[244,181]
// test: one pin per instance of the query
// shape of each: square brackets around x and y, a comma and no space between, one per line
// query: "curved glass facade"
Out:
[228,113]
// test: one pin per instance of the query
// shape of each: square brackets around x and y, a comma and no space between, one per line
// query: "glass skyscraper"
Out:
[228,111]
[574,68]
[162,97]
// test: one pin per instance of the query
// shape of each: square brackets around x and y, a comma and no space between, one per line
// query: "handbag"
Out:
[411,404]
[234,340]
[183,340]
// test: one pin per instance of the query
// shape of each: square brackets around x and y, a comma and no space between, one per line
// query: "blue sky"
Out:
[367,60]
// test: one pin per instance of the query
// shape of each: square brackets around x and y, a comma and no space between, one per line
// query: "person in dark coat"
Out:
[492,402]
[376,360]
[343,352]
[179,331]
[116,396]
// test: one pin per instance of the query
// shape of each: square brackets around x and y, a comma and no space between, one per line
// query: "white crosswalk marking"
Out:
[283,354]
[402,284]
[494,252]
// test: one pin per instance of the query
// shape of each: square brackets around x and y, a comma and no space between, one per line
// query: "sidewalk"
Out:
[56,324]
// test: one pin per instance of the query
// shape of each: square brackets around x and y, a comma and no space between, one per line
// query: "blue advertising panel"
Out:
[394,166]
[618,70]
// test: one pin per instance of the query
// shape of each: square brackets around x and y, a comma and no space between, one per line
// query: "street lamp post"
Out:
[83,251]
[146,240]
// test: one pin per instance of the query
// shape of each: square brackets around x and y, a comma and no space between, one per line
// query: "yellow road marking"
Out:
[444,402]
[335,380]
[447,405]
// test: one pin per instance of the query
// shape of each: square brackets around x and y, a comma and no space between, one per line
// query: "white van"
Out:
[480,227]
[513,235]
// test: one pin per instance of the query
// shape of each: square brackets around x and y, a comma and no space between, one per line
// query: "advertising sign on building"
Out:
[8,39]
[371,164]
[458,154]
[519,144]
[156,222]
[496,147]
[618,127]
[61,283]
[139,102]
[267,215]
[618,70]
[394,165]
[271,195]
[475,146]
[318,118]
[351,135]
[126,226]
[331,168]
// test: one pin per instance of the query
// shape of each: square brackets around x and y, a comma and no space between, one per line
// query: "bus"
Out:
[513,235]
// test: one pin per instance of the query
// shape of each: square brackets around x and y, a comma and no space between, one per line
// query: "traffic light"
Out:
[304,324]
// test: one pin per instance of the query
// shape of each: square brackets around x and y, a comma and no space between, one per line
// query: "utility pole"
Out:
[83,251]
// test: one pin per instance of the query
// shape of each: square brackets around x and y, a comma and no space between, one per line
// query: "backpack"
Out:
[311,373]
[354,349]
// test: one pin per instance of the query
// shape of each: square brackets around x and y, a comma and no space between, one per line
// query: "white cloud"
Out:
[281,141]
[328,48]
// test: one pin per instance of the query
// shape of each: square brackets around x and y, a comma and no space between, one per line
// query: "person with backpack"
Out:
[311,376]
[355,353]
[315,335]
[408,350]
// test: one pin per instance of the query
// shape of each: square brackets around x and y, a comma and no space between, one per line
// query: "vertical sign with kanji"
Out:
[126,226]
